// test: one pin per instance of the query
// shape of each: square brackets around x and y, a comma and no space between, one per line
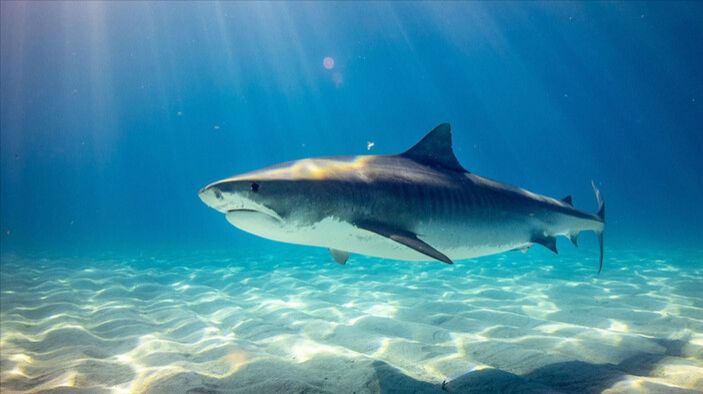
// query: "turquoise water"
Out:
[115,277]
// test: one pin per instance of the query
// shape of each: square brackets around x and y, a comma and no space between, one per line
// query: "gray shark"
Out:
[418,205]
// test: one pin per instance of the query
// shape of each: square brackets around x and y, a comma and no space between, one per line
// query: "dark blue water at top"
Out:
[114,114]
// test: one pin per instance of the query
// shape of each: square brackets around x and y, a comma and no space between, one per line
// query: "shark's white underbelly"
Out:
[453,241]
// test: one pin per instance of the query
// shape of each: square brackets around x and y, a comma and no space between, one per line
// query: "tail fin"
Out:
[601,215]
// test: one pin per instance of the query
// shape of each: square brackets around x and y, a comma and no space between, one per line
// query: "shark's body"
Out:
[419,205]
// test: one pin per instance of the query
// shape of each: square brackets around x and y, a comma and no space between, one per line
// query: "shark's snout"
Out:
[211,195]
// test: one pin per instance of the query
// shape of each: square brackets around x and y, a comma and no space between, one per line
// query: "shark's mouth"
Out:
[272,214]
[246,218]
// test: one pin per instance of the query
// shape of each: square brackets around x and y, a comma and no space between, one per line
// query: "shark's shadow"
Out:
[562,377]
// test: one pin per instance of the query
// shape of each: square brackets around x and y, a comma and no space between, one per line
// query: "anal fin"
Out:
[406,238]
[574,239]
[340,256]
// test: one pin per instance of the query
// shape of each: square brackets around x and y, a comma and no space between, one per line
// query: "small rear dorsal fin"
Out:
[568,200]
[435,149]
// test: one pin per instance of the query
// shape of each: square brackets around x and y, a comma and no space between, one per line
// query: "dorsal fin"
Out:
[567,200]
[435,149]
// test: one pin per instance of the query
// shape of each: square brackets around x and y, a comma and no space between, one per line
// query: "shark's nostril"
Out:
[218,193]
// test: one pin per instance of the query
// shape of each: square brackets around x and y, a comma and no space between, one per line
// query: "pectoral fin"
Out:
[340,256]
[408,239]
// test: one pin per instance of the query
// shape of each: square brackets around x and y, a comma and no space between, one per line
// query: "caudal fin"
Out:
[601,215]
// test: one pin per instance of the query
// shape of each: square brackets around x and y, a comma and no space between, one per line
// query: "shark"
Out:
[419,205]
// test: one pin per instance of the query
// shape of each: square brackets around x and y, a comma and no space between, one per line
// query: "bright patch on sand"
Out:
[234,361]
[304,350]
[617,326]
[382,310]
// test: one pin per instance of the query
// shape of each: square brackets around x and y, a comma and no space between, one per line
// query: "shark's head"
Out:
[255,202]
[274,202]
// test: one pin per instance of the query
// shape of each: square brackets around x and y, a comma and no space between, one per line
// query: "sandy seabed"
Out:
[297,322]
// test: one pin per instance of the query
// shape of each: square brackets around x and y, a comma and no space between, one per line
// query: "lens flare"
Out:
[328,63]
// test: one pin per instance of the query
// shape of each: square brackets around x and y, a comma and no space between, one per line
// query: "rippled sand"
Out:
[297,322]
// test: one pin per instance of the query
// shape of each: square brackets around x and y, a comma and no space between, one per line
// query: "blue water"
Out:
[114,115]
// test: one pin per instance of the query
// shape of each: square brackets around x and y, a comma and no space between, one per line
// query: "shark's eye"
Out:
[254,187]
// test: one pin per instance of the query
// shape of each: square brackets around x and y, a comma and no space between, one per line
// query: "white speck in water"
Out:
[369,145]
[216,127]
[337,78]
[179,113]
